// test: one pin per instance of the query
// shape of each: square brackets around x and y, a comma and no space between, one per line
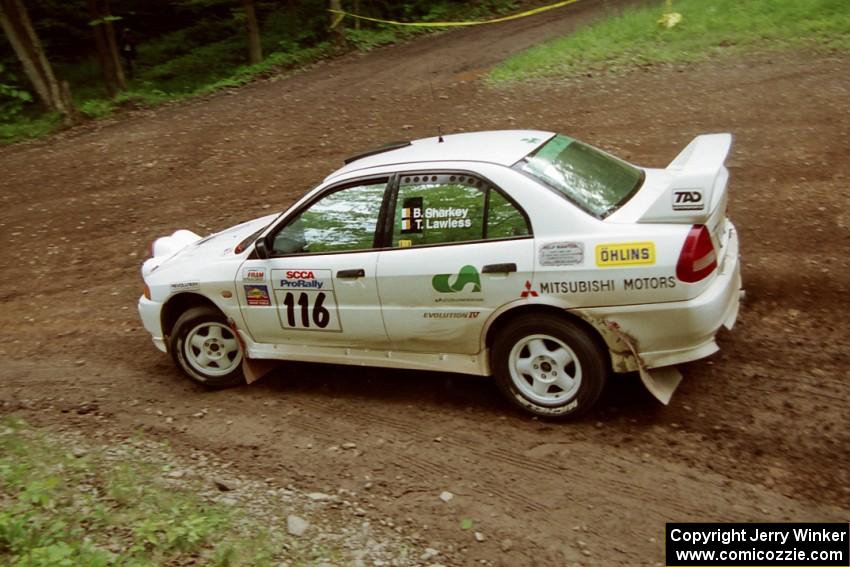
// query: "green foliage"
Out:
[634,37]
[191,47]
[12,97]
[59,510]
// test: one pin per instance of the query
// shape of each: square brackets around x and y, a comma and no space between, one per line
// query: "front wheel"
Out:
[549,366]
[205,348]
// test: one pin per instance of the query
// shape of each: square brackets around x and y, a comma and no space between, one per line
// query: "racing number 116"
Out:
[320,316]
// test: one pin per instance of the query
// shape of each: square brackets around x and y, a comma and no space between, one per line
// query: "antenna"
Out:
[433,103]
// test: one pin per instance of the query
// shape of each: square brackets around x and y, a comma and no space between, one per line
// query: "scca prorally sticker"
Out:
[688,200]
[257,295]
[625,254]
[185,286]
[561,254]
[411,216]
[254,274]
[306,279]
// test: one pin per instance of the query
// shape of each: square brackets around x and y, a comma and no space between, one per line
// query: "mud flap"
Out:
[256,369]
[661,382]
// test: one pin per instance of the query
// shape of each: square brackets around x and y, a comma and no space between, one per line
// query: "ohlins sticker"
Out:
[467,277]
[257,295]
[688,200]
[625,254]
[305,279]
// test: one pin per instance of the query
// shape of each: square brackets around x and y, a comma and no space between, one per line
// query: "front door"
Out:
[319,286]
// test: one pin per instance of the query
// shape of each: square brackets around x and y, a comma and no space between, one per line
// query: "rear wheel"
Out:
[205,348]
[549,366]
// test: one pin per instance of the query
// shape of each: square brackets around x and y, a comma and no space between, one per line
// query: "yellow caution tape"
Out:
[342,14]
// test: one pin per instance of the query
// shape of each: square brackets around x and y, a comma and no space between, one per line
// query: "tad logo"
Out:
[467,275]
[690,200]
[291,275]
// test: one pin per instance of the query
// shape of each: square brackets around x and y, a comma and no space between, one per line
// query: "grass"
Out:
[635,37]
[209,57]
[60,509]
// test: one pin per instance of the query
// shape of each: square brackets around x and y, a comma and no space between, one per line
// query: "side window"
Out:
[503,218]
[446,208]
[343,221]
[435,209]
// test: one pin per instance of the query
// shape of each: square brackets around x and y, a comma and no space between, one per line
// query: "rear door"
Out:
[320,287]
[459,249]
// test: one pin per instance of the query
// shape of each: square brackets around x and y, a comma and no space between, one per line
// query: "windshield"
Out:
[593,180]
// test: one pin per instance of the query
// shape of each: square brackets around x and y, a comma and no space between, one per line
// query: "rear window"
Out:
[593,180]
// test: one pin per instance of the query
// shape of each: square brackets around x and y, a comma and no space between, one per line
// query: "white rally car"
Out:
[522,254]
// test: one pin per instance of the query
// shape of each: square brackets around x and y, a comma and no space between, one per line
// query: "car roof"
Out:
[503,147]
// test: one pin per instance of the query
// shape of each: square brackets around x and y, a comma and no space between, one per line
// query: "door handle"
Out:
[498,268]
[355,273]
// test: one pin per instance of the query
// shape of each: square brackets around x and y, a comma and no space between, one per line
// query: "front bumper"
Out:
[150,311]
[664,334]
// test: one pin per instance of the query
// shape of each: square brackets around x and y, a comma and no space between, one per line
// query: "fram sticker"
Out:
[257,295]
[562,254]
[688,200]
[625,254]
[254,274]
[405,243]
[302,278]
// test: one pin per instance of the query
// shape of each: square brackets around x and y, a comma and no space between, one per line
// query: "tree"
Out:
[337,33]
[255,51]
[17,26]
[107,47]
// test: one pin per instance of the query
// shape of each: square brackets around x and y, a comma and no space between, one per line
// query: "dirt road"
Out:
[757,432]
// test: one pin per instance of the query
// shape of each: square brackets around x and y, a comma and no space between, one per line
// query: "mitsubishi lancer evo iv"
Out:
[521,254]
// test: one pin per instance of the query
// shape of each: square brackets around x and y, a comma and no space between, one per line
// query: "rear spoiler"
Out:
[697,182]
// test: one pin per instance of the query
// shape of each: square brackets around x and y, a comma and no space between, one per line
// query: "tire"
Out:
[205,348]
[549,366]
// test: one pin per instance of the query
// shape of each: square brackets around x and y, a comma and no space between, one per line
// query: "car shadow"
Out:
[624,395]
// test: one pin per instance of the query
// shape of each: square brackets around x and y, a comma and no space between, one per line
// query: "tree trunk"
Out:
[18,29]
[113,47]
[102,46]
[255,51]
[337,34]
[107,47]
[357,11]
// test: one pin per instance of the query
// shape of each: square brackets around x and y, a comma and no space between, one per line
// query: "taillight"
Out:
[697,259]
[147,292]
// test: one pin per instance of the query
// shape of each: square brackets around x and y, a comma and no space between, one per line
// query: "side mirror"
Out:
[262,248]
